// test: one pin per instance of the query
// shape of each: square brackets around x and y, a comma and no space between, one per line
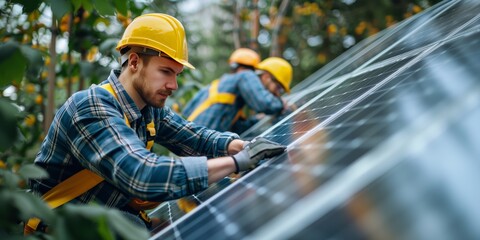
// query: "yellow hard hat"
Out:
[280,69]
[244,56]
[159,32]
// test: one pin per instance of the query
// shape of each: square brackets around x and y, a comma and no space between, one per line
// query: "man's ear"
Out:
[133,61]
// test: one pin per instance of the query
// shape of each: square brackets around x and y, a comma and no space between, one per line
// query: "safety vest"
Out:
[214,97]
[85,180]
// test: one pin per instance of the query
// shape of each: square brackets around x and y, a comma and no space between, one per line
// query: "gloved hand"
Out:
[256,150]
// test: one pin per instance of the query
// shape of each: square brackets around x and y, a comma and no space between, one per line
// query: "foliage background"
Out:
[50,49]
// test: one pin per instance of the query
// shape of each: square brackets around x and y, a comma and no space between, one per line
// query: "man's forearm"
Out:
[218,168]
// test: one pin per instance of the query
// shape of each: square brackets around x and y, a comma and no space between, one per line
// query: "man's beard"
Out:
[159,104]
[139,85]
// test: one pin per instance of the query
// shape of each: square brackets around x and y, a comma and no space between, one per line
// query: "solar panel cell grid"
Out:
[351,171]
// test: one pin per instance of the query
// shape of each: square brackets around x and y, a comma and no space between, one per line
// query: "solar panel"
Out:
[432,27]
[385,150]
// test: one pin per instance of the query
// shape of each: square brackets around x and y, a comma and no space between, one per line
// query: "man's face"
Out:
[271,84]
[157,80]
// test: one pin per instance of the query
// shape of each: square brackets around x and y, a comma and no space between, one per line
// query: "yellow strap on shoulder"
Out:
[214,97]
[150,126]
[109,88]
[136,203]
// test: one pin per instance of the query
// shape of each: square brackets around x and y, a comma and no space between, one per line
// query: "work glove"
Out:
[254,151]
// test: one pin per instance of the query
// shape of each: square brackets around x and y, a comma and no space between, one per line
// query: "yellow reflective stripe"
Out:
[71,188]
[214,97]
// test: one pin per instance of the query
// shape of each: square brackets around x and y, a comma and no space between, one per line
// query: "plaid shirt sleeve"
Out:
[98,137]
[256,96]
[186,138]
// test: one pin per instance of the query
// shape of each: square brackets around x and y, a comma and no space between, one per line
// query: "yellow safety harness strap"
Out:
[33,224]
[214,97]
[71,188]
[150,126]
[151,135]
[109,88]
[136,203]
[78,183]
[85,180]
[240,115]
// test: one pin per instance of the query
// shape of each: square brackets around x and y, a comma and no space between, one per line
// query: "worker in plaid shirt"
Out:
[108,129]
[251,83]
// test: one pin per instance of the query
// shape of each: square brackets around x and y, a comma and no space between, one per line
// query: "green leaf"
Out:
[9,132]
[32,171]
[77,4]
[104,230]
[9,179]
[60,7]
[7,49]
[33,56]
[125,228]
[35,61]
[87,5]
[61,230]
[104,8]
[31,206]
[12,63]
[122,6]
[8,110]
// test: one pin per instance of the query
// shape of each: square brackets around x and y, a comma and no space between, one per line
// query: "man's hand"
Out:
[236,146]
[258,149]
[288,108]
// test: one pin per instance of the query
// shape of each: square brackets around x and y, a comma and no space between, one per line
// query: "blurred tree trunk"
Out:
[276,49]
[69,58]
[81,78]
[69,77]
[255,26]
[236,25]
[51,76]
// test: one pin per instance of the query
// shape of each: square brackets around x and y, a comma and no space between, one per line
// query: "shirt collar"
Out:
[126,102]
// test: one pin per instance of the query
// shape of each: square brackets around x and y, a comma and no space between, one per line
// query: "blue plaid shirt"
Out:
[89,131]
[249,91]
